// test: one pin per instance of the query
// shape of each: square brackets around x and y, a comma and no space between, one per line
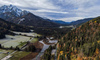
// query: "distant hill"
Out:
[13,14]
[77,22]
[61,22]
[81,21]
[81,42]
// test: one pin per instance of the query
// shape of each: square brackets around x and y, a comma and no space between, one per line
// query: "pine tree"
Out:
[0,46]
[17,48]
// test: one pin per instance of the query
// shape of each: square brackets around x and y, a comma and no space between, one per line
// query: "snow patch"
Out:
[21,20]
[13,9]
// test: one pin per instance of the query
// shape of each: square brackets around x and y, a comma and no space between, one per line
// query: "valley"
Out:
[49,31]
[20,40]
[27,42]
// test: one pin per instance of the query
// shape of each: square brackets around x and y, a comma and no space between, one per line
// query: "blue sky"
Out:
[66,10]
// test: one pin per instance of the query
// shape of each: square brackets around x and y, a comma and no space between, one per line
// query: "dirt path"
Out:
[8,56]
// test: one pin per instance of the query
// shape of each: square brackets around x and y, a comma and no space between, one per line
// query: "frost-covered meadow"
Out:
[28,34]
[13,40]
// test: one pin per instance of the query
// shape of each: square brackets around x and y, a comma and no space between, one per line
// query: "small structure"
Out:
[53,52]
[31,30]
[61,27]
[51,38]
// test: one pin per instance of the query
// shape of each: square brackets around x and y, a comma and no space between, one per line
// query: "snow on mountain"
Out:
[21,20]
[11,11]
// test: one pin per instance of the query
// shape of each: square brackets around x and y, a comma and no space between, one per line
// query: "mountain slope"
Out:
[13,14]
[36,21]
[61,22]
[77,22]
[12,26]
[81,43]
[5,28]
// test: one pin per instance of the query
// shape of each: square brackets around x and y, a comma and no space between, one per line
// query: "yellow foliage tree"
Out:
[61,52]
[97,51]
[95,21]
[79,58]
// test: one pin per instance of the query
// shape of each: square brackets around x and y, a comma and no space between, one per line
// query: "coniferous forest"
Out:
[5,28]
[81,43]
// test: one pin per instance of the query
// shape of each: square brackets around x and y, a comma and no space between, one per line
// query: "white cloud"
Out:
[70,9]
[30,3]
[51,11]
[78,3]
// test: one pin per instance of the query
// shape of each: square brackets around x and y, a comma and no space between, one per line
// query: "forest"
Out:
[52,32]
[5,28]
[81,43]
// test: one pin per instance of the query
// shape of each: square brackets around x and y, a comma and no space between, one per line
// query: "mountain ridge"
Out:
[13,14]
[77,22]
[6,27]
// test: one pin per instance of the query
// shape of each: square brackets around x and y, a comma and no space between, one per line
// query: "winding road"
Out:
[44,48]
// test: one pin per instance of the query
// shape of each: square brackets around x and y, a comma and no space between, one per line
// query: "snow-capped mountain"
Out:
[11,12]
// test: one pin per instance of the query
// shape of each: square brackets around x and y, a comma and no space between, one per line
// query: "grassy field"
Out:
[28,34]
[4,53]
[18,55]
[18,40]
[13,40]
[21,44]
[34,40]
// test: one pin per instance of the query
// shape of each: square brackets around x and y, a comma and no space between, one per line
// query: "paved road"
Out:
[44,48]
[56,54]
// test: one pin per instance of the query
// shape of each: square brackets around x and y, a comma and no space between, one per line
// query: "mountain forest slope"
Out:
[35,21]
[6,26]
[81,43]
